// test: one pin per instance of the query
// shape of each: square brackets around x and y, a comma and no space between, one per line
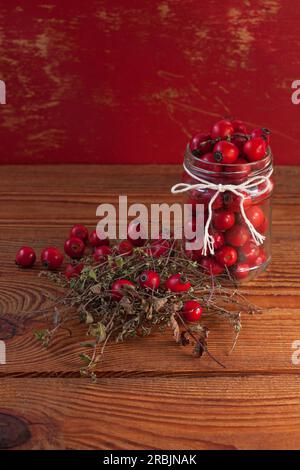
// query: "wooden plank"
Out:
[265,341]
[143,413]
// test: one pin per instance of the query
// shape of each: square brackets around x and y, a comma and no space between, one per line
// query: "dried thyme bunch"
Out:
[141,311]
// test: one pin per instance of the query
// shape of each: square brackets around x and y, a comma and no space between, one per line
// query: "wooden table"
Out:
[150,394]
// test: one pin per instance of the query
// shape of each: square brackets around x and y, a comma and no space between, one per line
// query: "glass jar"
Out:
[246,255]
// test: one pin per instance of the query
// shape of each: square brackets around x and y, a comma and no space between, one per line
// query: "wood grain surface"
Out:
[146,387]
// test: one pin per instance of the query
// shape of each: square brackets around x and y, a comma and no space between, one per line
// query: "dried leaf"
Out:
[126,305]
[98,330]
[175,327]
[158,304]
[96,289]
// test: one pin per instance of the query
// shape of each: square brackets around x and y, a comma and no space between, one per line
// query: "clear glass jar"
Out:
[228,226]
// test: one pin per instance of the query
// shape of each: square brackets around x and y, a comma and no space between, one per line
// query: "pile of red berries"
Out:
[229,153]
[229,142]
[100,249]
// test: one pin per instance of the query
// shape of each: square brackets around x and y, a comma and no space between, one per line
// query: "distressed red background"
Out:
[124,81]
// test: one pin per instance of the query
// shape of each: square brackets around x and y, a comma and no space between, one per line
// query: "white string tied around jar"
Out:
[238,190]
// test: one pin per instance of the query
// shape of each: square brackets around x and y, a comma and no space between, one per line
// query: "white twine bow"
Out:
[238,190]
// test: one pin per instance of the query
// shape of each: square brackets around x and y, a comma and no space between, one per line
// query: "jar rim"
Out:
[230,169]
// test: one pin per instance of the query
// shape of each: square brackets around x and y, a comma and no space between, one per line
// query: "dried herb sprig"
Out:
[142,311]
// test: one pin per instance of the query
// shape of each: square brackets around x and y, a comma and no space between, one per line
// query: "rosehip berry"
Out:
[149,279]
[178,283]
[73,270]
[262,257]
[125,248]
[264,226]
[194,255]
[239,171]
[263,133]
[226,256]
[225,152]
[25,257]
[205,196]
[96,241]
[210,265]
[232,201]
[136,233]
[119,287]
[239,141]
[241,270]
[74,247]
[255,149]
[159,248]
[201,144]
[79,231]
[218,239]
[239,126]
[222,129]
[223,220]
[101,253]
[208,162]
[249,252]
[237,235]
[51,258]
[191,311]
[255,215]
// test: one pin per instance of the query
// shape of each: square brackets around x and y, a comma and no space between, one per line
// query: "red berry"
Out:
[263,133]
[149,279]
[218,239]
[178,283]
[74,247]
[223,220]
[237,235]
[225,152]
[25,257]
[232,201]
[255,215]
[261,258]
[119,287]
[101,253]
[51,257]
[264,226]
[241,270]
[191,311]
[204,196]
[210,265]
[226,256]
[249,252]
[239,141]
[239,171]
[194,255]
[136,233]
[255,149]
[79,231]
[239,126]
[159,248]
[96,241]
[222,129]
[73,270]
[125,248]
[208,163]
[201,144]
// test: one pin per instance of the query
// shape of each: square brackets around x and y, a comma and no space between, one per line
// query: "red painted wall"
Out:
[125,81]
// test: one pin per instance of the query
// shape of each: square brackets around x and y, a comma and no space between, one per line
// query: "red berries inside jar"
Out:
[239,167]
